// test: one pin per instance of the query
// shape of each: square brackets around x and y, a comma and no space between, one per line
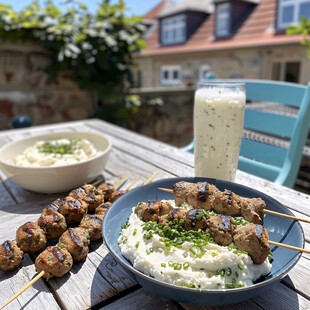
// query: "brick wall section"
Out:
[24,89]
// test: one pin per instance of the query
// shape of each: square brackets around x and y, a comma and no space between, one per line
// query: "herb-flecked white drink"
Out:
[218,126]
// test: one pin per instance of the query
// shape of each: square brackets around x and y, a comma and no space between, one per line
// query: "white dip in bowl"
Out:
[210,266]
[56,152]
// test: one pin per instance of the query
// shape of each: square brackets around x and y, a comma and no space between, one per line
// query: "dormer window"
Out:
[222,22]
[290,12]
[173,30]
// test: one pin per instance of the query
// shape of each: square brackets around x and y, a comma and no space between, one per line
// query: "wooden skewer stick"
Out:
[36,278]
[125,176]
[133,183]
[151,178]
[97,182]
[265,211]
[166,190]
[283,245]
[286,216]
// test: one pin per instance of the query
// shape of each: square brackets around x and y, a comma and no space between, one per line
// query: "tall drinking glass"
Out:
[218,125]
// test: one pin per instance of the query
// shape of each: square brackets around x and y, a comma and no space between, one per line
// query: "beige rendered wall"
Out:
[252,63]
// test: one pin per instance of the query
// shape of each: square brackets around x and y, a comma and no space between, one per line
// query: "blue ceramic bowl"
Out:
[280,230]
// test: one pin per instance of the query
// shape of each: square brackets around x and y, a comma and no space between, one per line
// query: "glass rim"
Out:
[220,83]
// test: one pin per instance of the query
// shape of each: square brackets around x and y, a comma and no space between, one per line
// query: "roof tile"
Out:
[256,30]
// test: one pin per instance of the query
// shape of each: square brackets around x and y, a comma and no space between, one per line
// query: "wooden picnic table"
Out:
[100,282]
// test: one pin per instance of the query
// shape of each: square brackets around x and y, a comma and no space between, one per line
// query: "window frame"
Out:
[167,26]
[228,19]
[203,68]
[281,5]
[170,69]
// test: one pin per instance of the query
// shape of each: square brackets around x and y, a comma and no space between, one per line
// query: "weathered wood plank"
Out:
[82,287]
[6,197]
[37,296]
[134,138]
[109,268]
[141,299]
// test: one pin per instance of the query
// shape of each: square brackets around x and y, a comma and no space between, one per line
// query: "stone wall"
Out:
[171,122]
[25,89]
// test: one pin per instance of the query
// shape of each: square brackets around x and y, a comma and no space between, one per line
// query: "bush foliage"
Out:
[98,48]
[304,29]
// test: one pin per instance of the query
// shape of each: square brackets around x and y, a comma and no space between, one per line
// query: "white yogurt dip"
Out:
[56,152]
[218,126]
[210,267]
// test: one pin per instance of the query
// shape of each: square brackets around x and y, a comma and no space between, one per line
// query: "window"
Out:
[170,75]
[222,26]
[286,71]
[173,30]
[203,70]
[290,12]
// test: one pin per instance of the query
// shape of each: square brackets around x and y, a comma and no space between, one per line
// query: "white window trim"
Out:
[202,69]
[220,16]
[282,4]
[170,80]
[282,66]
[180,27]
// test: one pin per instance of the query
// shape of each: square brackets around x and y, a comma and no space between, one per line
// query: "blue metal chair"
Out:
[277,164]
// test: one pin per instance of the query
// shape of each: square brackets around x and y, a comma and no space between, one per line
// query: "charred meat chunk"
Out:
[107,190]
[93,225]
[102,209]
[10,255]
[198,195]
[52,223]
[55,205]
[220,229]
[178,214]
[55,261]
[30,237]
[153,210]
[252,209]
[115,195]
[76,241]
[252,238]
[195,220]
[72,209]
[226,203]
[90,194]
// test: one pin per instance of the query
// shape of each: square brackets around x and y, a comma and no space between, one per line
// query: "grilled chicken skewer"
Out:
[56,260]
[32,236]
[203,195]
[252,238]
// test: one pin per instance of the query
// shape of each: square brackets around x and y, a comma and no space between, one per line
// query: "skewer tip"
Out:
[165,189]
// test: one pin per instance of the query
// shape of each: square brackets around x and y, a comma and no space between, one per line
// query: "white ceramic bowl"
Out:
[55,179]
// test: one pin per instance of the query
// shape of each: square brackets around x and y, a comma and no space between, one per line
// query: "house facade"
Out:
[189,39]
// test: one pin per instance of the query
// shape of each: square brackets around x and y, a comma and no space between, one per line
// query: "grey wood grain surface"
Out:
[99,281]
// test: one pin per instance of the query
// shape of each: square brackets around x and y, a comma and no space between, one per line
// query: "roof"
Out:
[205,6]
[257,30]
[152,14]
[251,1]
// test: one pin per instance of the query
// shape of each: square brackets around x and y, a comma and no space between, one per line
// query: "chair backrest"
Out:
[268,160]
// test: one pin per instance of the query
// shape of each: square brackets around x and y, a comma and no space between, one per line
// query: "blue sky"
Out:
[137,7]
